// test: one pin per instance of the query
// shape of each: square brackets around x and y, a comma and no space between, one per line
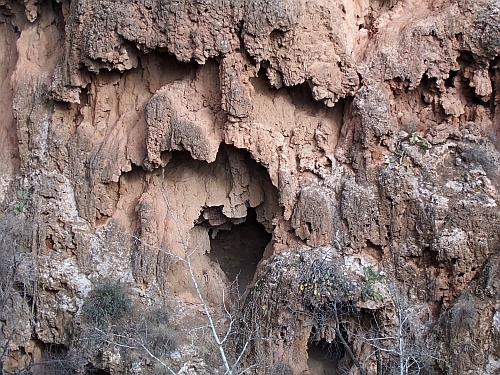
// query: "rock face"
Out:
[319,179]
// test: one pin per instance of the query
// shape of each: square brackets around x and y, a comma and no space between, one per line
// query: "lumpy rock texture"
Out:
[361,135]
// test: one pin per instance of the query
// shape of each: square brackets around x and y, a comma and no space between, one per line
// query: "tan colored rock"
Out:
[236,71]
[452,105]
[314,215]
[172,126]
[133,133]
[482,84]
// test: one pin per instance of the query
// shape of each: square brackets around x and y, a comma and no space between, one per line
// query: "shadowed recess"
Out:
[324,356]
[239,250]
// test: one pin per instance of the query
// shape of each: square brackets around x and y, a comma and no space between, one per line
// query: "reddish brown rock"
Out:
[335,162]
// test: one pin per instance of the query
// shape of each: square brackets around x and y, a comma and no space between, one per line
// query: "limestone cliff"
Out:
[319,179]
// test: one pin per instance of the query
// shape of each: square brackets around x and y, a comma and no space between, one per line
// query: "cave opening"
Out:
[322,356]
[236,203]
[238,248]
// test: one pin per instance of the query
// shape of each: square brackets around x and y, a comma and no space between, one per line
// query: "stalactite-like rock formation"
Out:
[316,176]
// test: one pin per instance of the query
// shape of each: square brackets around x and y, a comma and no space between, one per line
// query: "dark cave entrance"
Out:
[241,205]
[238,248]
[322,356]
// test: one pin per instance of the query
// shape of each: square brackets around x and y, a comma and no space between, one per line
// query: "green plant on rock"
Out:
[418,140]
[23,198]
[400,157]
[371,275]
[368,290]
[108,300]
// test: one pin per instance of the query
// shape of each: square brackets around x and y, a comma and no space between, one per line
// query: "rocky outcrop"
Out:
[138,137]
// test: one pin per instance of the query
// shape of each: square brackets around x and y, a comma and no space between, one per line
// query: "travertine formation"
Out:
[360,135]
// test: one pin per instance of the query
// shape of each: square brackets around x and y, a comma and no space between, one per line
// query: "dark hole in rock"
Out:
[450,81]
[239,250]
[323,356]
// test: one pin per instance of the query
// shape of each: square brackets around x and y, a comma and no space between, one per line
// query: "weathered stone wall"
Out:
[133,131]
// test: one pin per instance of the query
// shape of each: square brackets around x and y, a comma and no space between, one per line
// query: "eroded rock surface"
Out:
[361,136]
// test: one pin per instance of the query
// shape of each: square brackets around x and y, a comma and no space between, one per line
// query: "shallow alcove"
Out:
[239,248]
[241,204]
[324,357]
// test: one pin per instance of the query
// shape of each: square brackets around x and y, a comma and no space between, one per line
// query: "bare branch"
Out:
[169,253]
[346,345]
[187,260]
